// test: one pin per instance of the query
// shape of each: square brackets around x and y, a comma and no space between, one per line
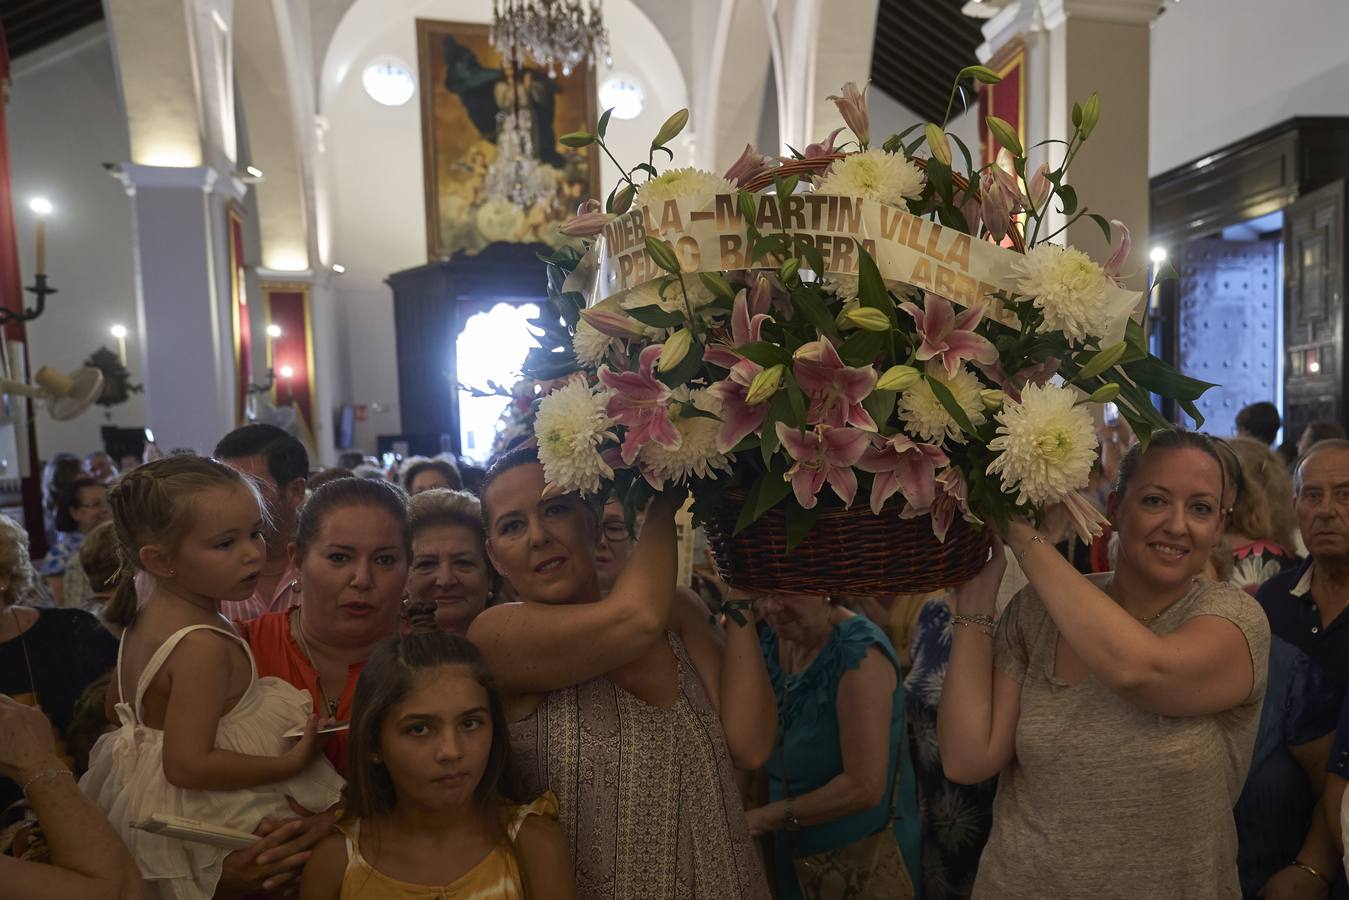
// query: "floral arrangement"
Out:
[808,381]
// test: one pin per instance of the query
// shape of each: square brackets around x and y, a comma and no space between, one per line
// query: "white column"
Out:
[1075,48]
[180,236]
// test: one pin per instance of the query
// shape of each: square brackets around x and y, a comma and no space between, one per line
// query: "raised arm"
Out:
[198,672]
[533,648]
[980,705]
[89,862]
[731,668]
[1202,668]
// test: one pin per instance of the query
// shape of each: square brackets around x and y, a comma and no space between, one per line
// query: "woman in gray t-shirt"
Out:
[1123,745]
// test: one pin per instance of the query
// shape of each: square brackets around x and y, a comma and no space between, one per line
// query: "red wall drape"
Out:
[12,297]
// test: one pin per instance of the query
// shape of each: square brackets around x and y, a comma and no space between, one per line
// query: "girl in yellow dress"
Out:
[426,818]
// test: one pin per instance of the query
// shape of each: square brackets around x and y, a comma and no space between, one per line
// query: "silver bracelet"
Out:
[45,775]
[1035,539]
[983,623]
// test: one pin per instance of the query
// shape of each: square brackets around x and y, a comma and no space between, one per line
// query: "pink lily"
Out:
[638,403]
[853,107]
[948,337]
[744,330]
[823,455]
[969,211]
[1117,259]
[822,148]
[748,167]
[901,464]
[588,221]
[994,207]
[836,391]
[1088,521]
[1038,374]
[738,418]
[1039,189]
[952,497]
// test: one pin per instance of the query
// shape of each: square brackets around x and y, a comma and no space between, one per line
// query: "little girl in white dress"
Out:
[202,736]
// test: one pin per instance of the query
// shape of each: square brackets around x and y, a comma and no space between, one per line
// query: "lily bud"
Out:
[611,323]
[938,143]
[748,167]
[587,222]
[898,378]
[1102,361]
[671,128]
[623,200]
[993,207]
[675,349]
[789,269]
[1037,192]
[1105,393]
[992,399]
[869,319]
[765,384]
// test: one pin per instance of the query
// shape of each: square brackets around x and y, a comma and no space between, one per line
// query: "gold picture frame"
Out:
[463,88]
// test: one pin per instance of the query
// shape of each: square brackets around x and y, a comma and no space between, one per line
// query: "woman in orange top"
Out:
[351,551]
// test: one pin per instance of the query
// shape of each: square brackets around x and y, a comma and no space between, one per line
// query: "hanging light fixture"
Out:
[559,34]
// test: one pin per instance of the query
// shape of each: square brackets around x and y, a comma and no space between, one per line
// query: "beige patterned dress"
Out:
[646,794]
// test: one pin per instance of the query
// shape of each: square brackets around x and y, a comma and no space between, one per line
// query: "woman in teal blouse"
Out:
[841,731]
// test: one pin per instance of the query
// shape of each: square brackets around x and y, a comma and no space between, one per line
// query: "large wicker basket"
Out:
[848,551]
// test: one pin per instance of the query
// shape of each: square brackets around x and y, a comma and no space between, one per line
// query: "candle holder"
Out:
[41,289]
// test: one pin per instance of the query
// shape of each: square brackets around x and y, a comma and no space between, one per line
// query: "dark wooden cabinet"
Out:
[431,305]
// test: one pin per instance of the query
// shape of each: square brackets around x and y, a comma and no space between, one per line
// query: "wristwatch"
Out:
[789,820]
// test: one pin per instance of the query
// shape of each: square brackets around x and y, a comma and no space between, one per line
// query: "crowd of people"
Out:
[434,682]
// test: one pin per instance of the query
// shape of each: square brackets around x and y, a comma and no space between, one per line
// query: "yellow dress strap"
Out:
[544,805]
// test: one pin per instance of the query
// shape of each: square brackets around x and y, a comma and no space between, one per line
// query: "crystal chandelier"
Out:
[516,175]
[556,33]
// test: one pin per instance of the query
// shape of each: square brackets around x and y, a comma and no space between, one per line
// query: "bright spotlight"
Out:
[274,331]
[118,331]
[287,372]
[1158,255]
[40,205]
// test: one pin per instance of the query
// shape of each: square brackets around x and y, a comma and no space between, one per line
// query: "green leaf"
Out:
[662,254]
[770,243]
[969,160]
[797,400]
[718,285]
[939,176]
[577,139]
[799,523]
[766,493]
[1159,378]
[807,251]
[1005,135]
[948,400]
[666,150]
[895,142]
[1193,411]
[765,354]
[1077,115]
[778,410]
[871,290]
[879,405]
[1104,225]
[656,317]
[604,122]
[1068,197]
[809,304]
[862,347]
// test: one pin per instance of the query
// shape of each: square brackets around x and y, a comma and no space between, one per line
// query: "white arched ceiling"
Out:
[731,94]
[269,110]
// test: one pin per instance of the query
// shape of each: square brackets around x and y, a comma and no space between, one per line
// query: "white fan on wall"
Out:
[66,395]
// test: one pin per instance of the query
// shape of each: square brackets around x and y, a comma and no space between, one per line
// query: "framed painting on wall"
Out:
[464,86]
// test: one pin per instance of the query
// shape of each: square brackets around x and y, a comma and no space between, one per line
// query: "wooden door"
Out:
[1314,376]
[1228,324]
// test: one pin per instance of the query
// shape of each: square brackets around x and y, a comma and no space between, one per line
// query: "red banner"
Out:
[293,351]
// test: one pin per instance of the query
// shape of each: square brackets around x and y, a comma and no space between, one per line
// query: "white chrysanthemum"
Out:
[693,188]
[1047,444]
[924,414]
[1068,287]
[649,294]
[570,426]
[697,455]
[876,175]
[843,287]
[590,345]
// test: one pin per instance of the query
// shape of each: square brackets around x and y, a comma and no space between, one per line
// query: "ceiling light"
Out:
[388,81]
[40,205]
[287,372]
[118,331]
[1158,255]
[339,268]
[274,331]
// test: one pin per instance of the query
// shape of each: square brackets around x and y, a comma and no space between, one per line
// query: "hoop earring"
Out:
[295,586]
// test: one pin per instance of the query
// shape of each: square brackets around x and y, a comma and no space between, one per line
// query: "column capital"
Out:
[1028,16]
[203,178]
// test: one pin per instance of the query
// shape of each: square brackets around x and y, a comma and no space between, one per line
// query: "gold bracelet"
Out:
[1035,539]
[45,775]
[1310,871]
[984,624]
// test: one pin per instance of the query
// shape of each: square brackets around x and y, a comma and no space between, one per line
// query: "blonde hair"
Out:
[152,504]
[14,559]
[1264,507]
[99,558]
[442,506]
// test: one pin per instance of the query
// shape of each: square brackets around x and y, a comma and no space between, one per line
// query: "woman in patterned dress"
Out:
[1261,528]
[633,709]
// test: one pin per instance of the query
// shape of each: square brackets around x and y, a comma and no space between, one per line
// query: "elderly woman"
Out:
[450,577]
[80,508]
[839,775]
[1119,713]
[429,474]
[1261,520]
[351,553]
[47,656]
[632,708]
